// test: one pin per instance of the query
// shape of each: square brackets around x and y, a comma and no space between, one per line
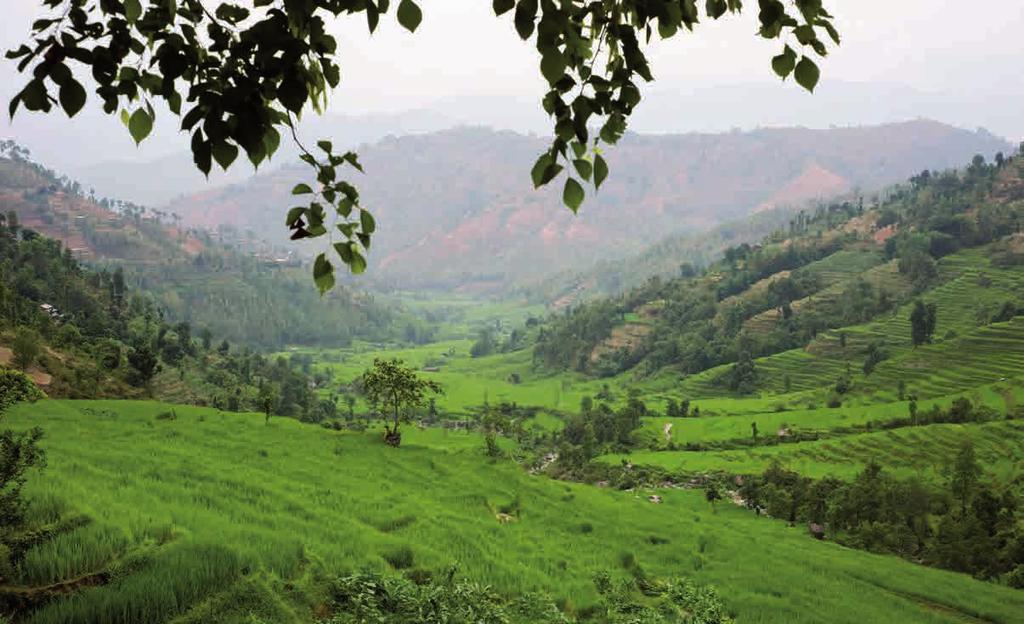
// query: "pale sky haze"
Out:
[943,59]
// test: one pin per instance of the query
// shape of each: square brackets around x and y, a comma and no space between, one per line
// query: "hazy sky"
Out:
[900,58]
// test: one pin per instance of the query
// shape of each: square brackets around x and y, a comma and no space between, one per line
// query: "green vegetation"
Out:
[859,386]
[236,519]
[194,276]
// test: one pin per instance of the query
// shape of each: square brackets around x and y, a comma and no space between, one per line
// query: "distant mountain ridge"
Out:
[456,210]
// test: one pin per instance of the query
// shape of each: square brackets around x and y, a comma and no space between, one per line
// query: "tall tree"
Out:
[964,474]
[922,322]
[239,76]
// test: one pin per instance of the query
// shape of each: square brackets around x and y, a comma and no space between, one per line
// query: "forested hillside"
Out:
[81,333]
[227,281]
[842,264]
[457,210]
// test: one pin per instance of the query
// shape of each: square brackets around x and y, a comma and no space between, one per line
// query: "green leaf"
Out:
[600,171]
[294,215]
[34,97]
[552,66]
[302,189]
[367,222]
[326,146]
[716,8]
[201,152]
[831,30]
[544,170]
[784,63]
[537,173]
[353,159]
[358,264]
[72,97]
[132,10]
[174,102]
[292,93]
[526,13]
[323,273]
[584,168]
[271,141]
[225,153]
[572,194]
[344,251]
[140,124]
[503,6]
[807,74]
[409,15]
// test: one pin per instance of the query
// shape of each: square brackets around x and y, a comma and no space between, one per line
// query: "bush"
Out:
[15,387]
[1015,579]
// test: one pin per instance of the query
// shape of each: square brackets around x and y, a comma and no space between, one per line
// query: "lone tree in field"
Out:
[350,403]
[239,74]
[267,398]
[395,388]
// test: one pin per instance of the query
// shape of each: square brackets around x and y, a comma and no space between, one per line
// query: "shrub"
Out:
[1015,579]
[15,387]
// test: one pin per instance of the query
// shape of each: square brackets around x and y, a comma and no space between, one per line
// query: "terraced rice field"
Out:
[211,516]
[924,451]
[967,351]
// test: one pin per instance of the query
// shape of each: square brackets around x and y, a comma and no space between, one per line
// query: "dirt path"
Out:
[39,377]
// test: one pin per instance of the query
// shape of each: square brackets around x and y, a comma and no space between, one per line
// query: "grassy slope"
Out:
[230,518]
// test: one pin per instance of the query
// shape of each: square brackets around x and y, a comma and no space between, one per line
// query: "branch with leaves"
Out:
[244,73]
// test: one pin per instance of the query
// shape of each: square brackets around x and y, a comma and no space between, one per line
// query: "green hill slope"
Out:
[216,517]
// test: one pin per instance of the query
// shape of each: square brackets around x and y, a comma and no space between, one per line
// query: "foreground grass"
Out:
[216,517]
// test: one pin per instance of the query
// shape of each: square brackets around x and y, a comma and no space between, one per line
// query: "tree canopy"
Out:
[243,73]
